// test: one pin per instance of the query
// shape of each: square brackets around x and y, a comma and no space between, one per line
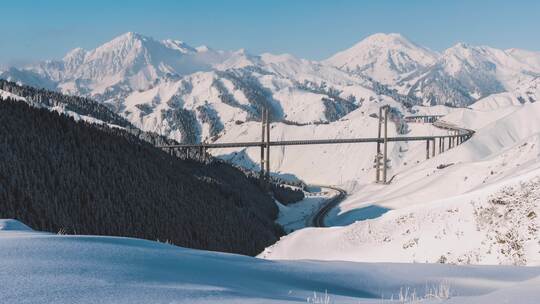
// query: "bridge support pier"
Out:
[267,118]
[443,144]
[381,159]
[201,151]
[427,149]
[264,175]
[378,156]
[433,151]
[385,146]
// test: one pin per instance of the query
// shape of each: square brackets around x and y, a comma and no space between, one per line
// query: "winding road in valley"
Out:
[318,218]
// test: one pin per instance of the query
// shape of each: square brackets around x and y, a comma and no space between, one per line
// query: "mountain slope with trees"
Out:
[57,174]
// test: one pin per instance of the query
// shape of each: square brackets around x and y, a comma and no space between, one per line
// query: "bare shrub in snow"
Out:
[411,243]
[408,295]
[319,299]
[509,220]
[440,291]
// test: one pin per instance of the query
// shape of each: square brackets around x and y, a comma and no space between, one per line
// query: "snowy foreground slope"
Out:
[494,225]
[46,268]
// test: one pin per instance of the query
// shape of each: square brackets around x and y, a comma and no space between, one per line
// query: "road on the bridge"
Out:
[318,218]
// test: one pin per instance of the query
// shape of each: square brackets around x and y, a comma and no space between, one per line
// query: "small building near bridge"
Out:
[422,118]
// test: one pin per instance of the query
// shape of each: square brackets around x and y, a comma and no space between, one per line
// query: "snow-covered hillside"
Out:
[492,225]
[477,203]
[464,73]
[58,106]
[83,269]
[5,95]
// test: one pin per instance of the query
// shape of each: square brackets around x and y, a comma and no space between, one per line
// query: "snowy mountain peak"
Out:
[124,41]
[179,45]
[384,39]
[238,59]
[465,49]
[241,51]
[461,45]
[131,36]
[75,53]
[274,58]
[128,62]
[460,53]
[202,49]
[383,57]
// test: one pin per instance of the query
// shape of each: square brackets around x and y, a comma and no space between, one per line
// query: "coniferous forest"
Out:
[57,174]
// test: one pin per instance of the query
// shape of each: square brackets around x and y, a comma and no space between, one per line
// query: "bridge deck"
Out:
[440,124]
[309,142]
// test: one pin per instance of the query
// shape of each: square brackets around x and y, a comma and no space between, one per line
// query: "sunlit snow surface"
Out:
[47,268]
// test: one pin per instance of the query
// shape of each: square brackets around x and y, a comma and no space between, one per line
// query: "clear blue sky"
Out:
[35,30]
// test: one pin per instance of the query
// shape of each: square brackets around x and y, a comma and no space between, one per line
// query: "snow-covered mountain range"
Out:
[458,76]
[197,93]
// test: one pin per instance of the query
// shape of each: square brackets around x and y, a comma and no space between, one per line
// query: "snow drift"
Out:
[47,268]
